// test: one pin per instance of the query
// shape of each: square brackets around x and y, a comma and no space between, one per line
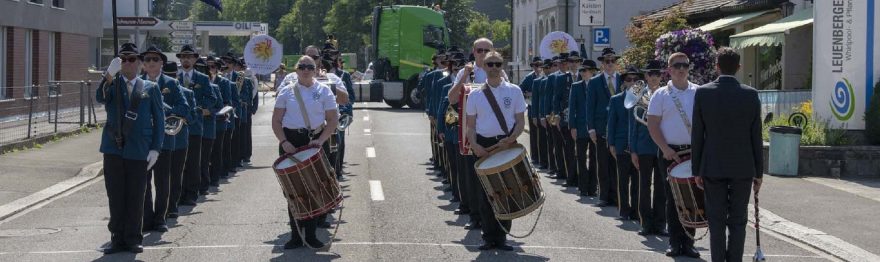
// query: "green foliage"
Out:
[479,26]
[349,21]
[872,118]
[458,17]
[643,35]
[301,26]
[817,132]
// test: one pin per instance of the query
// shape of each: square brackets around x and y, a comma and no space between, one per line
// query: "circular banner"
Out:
[556,42]
[263,54]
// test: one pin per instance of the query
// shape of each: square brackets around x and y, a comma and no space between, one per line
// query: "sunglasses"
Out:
[587,69]
[129,59]
[152,59]
[654,73]
[681,65]
[482,50]
[308,67]
[630,79]
[494,64]
[609,61]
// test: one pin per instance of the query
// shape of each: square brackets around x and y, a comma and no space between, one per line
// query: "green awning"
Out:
[772,34]
[731,20]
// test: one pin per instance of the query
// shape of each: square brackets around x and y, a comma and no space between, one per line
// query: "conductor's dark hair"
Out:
[728,61]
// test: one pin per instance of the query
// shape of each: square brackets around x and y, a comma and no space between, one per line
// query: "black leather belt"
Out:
[680,147]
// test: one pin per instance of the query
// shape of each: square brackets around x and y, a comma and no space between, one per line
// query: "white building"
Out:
[532,19]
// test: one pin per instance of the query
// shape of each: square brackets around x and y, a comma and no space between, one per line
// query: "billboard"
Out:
[845,63]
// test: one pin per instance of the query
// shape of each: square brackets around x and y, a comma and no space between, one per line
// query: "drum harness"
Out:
[678,200]
[490,97]
[305,116]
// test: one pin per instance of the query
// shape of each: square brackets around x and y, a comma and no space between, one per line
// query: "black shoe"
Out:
[622,218]
[673,252]
[602,203]
[460,212]
[486,246]
[447,189]
[293,243]
[570,185]
[455,200]
[324,224]
[135,248]
[314,243]
[662,233]
[691,252]
[215,184]
[592,194]
[187,203]
[161,228]
[504,247]
[114,248]
[646,232]
[473,226]
[203,192]
[173,215]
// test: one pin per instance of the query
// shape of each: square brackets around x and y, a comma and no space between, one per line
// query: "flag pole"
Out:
[115,31]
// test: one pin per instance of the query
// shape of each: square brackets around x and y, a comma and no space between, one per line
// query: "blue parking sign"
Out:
[601,36]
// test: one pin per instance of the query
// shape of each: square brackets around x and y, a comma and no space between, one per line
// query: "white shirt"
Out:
[674,130]
[510,100]
[291,79]
[187,75]
[317,98]
[479,76]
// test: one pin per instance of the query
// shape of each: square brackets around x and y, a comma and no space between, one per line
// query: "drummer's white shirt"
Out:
[317,99]
[674,130]
[291,78]
[510,100]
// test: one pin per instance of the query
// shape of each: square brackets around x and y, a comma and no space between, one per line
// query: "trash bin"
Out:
[784,144]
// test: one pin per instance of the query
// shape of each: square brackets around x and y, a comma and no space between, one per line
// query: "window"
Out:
[28,62]
[58,3]
[433,36]
[51,65]
[39,2]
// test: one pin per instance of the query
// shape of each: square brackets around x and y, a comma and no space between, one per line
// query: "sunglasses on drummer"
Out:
[494,64]
[308,67]
[482,50]
[681,65]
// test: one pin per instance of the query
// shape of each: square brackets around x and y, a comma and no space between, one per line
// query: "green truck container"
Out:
[403,40]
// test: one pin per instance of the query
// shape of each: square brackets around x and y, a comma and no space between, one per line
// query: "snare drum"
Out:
[308,182]
[689,199]
[511,184]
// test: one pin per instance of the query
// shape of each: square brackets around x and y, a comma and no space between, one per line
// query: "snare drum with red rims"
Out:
[511,184]
[308,182]
[689,200]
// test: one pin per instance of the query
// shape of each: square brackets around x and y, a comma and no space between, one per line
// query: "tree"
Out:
[350,22]
[642,37]
[458,15]
[479,27]
[501,32]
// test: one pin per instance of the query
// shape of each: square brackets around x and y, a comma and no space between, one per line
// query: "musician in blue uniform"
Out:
[223,128]
[578,122]
[527,85]
[166,175]
[236,81]
[130,143]
[643,151]
[560,104]
[538,94]
[426,85]
[250,101]
[599,90]
[192,167]
[209,125]
[230,122]
[618,144]
[346,110]
[448,132]
[552,128]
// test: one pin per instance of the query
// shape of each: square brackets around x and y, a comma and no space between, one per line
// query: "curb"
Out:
[822,241]
[86,174]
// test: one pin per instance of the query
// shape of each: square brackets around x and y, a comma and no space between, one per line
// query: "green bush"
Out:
[872,118]
[815,133]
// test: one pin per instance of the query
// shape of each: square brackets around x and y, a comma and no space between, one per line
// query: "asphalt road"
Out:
[245,219]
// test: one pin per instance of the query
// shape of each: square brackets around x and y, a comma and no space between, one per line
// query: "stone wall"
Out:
[837,161]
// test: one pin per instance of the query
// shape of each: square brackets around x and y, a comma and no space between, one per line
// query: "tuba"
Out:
[344,122]
[637,99]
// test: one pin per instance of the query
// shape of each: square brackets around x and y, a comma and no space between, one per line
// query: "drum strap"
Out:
[684,117]
[302,106]
[497,110]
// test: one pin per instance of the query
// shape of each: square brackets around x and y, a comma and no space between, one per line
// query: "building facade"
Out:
[42,41]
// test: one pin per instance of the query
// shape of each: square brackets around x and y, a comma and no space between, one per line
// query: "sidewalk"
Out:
[26,172]
[844,209]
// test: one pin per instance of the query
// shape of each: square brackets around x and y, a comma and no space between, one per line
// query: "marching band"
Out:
[617,136]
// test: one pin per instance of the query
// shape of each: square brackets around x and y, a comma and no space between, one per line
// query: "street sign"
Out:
[182,25]
[182,41]
[136,21]
[176,48]
[601,37]
[592,13]
[182,34]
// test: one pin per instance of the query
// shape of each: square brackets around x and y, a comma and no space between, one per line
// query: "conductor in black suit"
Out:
[727,156]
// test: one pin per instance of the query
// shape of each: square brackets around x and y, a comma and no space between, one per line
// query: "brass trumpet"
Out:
[637,99]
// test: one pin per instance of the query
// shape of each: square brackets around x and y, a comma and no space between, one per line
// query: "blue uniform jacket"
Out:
[597,103]
[618,124]
[561,96]
[450,132]
[526,84]
[538,94]
[349,88]
[172,97]
[549,93]
[577,104]
[209,130]
[439,112]
[229,98]
[194,117]
[148,130]
[425,85]
[248,107]
[640,141]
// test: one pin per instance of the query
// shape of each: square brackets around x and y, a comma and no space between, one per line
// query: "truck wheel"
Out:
[409,87]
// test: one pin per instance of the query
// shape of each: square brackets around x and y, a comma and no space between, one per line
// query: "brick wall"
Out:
[71,64]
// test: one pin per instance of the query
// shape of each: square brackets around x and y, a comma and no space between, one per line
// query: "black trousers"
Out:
[727,201]
[543,154]
[178,162]
[228,163]
[155,210]
[207,150]
[605,172]
[451,151]
[247,140]
[533,140]
[218,169]
[568,154]
[627,186]
[192,170]
[467,183]
[554,148]
[125,181]
[236,144]
[434,156]
[677,236]
[308,226]
[492,226]
[586,177]
[652,197]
